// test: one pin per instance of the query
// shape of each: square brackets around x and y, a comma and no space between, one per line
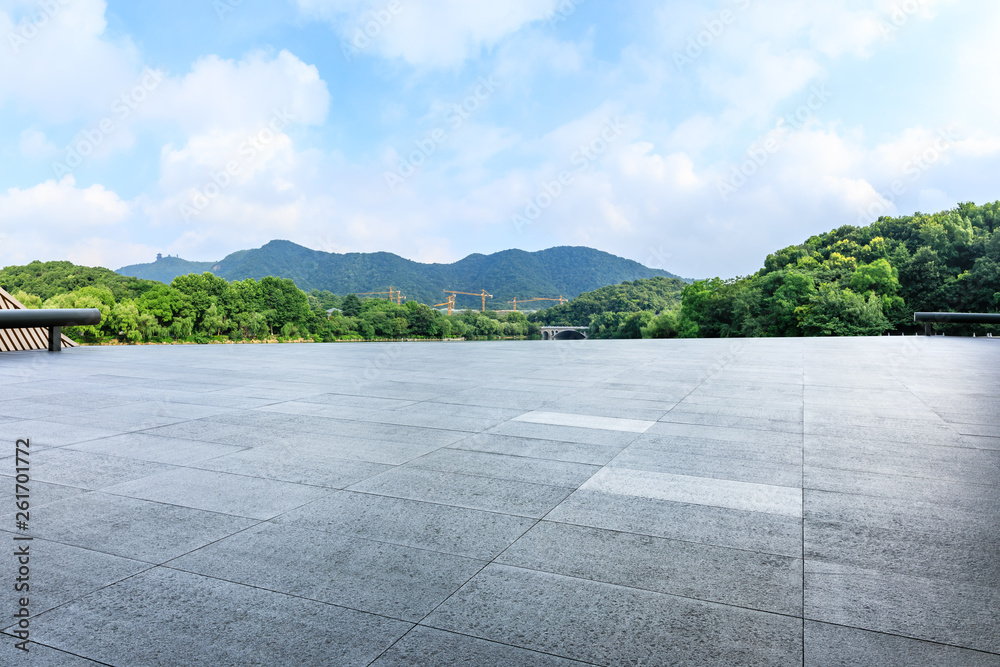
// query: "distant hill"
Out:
[653,294]
[47,279]
[165,269]
[565,270]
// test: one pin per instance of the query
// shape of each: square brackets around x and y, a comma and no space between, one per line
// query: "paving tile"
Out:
[427,647]
[961,464]
[453,530]
[716,574]
[964,558]
[137,416]
[941,517]
[677,416]
[300,466]
[337,569]
[574,434]
[903,487]
[350,401]
[740,469]
[724,433]
[60,573]
[753,531]
[131,528]
[584,421]
[750,450]
[725,493]
[41,493]
[47,434]
[899,604]
[494,397]
[472,491]
[607,624]
[535,448]
[155,448]
[500,466]
[84,469]
[239,495]
[836,646]
[186,619]
[38,655]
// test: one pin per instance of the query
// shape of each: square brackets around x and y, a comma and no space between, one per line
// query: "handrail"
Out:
[54,319]
[966,318]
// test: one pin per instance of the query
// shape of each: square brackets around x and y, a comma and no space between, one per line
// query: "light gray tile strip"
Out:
[726,493]
[585,421]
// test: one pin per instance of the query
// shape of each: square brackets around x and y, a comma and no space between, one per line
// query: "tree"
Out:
[165,303]
[351,306]
[837,312]
[666,325]
[634,324]
[124,319]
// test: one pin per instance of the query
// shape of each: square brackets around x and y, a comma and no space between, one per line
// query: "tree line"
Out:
[846,282]
[203,308]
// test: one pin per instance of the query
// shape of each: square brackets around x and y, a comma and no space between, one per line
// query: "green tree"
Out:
[351,306]
[837,312]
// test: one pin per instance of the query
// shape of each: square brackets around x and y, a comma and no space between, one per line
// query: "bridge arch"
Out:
[564,333]
[569,334]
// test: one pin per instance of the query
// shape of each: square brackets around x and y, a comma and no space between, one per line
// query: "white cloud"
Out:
[58,63]
[437,33]
[220,94]
[61,206]
[35,145]
[58,220]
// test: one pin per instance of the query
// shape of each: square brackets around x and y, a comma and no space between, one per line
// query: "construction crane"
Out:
[484,294]
[561,300]
[450,303]
[398,298]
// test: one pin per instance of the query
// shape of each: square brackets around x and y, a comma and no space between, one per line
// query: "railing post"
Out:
[55,339]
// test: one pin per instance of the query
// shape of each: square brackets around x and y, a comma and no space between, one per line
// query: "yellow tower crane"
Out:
[483,294]
[394,295]
[561,300]
[450,303]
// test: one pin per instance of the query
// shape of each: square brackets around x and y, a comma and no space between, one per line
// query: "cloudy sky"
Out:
[695,136]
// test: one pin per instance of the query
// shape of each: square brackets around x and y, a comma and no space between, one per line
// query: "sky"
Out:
[692,136]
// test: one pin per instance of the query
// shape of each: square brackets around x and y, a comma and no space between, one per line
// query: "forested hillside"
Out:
[859,280]
[205,308]
[566,271]
[616,311]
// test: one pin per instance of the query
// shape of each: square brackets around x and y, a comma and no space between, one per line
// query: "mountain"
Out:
[565,270]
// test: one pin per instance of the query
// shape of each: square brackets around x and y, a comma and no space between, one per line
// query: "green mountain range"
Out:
[566,270]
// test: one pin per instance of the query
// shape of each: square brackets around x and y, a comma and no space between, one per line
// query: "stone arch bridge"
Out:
[564,333]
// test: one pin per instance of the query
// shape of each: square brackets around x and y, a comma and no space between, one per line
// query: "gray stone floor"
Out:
[761,502]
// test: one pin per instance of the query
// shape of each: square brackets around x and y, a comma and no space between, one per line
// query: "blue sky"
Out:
[691,136]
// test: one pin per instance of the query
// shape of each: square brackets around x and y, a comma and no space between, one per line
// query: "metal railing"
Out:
[54,319]
[954,318]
